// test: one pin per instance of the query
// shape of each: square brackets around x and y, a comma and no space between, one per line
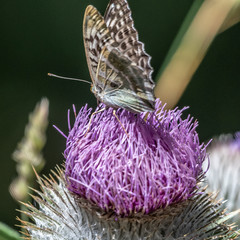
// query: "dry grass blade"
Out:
[213,17]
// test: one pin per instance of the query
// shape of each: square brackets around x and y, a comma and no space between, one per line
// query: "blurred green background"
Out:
[43,36]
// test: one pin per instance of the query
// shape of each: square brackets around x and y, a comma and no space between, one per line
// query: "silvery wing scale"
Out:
[119,67]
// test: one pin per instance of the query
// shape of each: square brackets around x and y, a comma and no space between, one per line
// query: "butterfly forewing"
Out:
[96,35]
[121,27]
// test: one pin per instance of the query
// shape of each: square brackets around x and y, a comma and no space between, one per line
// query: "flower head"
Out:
[137,184]
[157,163]
[224,171]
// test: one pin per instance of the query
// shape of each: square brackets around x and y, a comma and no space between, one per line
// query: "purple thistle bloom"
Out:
[157,164]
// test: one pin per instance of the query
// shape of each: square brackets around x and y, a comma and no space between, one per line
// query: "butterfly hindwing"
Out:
[125,85]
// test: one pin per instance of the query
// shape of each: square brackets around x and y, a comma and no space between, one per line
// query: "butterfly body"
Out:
[118,65]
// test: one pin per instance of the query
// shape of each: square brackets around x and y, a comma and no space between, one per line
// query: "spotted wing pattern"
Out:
[121,74]
[121,27]
[96,35]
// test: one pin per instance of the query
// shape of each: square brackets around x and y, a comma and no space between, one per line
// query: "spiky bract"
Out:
[63,216]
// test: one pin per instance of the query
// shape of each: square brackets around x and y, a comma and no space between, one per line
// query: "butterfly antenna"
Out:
[73,79]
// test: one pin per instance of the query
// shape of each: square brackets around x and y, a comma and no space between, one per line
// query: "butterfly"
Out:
[118,64]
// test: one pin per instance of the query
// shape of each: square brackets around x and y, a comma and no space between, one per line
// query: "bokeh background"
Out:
[39,36]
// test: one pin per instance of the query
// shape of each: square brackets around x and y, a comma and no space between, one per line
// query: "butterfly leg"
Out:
[114,113]
[89,124]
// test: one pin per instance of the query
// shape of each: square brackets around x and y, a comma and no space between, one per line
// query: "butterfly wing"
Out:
[125,83]
[118,18]
[95,35]
[118,78]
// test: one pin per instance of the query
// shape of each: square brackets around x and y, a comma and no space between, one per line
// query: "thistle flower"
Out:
[224,172]
[139,185]
[158,163]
